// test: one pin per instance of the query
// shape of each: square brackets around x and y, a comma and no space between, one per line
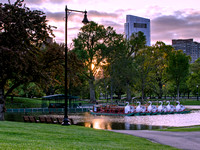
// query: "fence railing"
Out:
[47,110]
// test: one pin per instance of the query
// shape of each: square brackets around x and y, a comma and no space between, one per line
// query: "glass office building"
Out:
[135,24]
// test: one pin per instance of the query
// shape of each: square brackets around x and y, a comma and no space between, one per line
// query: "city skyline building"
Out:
[135,24]
[188,46]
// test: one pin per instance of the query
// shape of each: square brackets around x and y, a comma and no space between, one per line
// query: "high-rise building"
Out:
[135,24]
[188,46]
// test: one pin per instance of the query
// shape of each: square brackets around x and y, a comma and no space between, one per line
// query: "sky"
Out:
[170,19]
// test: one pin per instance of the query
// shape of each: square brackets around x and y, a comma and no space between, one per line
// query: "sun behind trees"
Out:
[92,46]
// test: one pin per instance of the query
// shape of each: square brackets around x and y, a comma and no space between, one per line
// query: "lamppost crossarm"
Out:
[66,9]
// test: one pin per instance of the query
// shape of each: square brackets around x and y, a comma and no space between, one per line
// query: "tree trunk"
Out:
[92,91]
[128,93]
[160,91]
[2,112]
[2,105]
[178,92]
[111,93]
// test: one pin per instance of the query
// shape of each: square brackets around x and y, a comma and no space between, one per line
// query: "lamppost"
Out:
[197,92]
[85,21]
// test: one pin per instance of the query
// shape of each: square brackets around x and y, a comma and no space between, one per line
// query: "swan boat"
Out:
[140,110]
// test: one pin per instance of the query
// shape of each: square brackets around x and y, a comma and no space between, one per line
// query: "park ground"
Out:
[19,135]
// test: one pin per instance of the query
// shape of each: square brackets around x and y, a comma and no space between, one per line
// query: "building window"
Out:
[140,25]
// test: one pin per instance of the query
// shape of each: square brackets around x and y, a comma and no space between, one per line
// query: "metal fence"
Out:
[47,110]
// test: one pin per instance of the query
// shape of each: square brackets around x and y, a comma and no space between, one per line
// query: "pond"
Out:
[126,122]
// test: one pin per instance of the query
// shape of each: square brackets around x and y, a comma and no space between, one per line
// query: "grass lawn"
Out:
[18,135]
[21,102]
[182,129]
[190,102]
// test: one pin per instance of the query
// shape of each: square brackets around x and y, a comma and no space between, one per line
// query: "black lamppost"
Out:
[197,92]
[85,21]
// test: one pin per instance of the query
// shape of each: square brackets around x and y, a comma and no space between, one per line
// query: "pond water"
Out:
[126,122]
[138,122]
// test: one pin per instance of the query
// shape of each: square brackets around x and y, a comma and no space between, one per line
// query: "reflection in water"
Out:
[110,122]
[117,126]
[101,124]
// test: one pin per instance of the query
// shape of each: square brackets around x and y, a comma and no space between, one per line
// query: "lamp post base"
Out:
[66,122]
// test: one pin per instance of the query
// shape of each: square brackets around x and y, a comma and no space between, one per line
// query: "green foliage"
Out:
[161,53]
[194,78]
[144,66]
[178,68]
[137,42]
[15,135]
[92,46]
[23,32]
[30,90]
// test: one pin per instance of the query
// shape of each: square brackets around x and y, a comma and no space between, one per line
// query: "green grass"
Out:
[21,102]
[18,135]
[182,129]
[190,102]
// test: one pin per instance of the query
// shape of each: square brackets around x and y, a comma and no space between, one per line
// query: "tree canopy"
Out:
[22,33]
[92,46]
[178,68]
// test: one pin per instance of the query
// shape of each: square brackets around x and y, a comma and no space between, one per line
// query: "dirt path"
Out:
[181,140]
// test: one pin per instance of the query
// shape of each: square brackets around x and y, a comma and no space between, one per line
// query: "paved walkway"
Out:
[181,140]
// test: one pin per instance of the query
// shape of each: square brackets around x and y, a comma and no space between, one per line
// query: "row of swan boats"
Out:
[139,110]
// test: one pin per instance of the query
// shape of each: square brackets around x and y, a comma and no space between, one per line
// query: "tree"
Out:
[194,78]
[122,62]
[91,47]
[136,43]
[161,52]
[178,68]
[22,33]
[115,69]
[144,66]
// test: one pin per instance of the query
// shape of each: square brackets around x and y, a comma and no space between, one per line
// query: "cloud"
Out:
[94,13]
[57,16]
[39,2]
[182,24]
[116,26]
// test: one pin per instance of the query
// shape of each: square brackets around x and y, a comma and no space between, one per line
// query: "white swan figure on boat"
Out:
[179,107]
[154,108]
[140,108]
[182,108]
[170,108]
[132,109]
[127,108]
[151,108]
[160,107]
